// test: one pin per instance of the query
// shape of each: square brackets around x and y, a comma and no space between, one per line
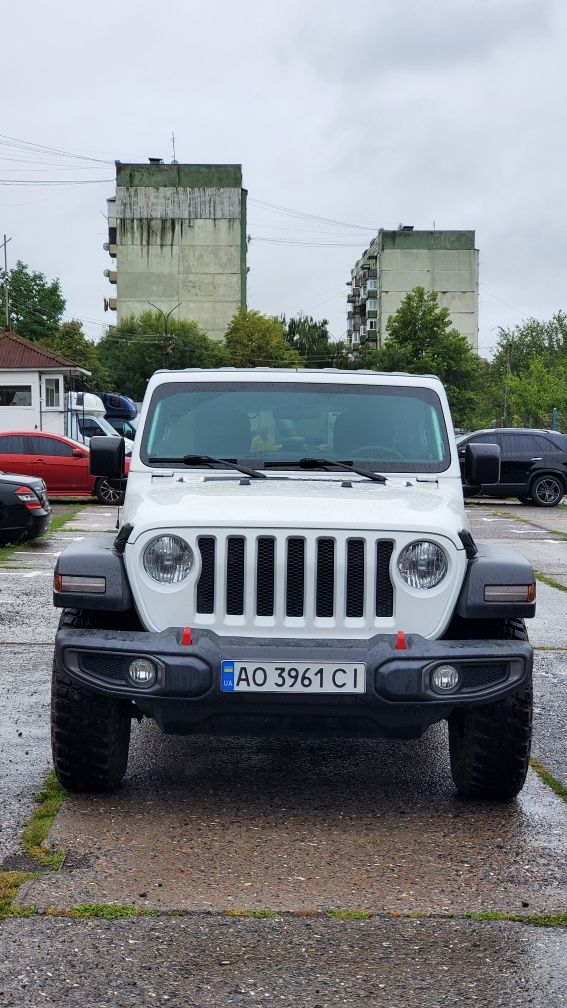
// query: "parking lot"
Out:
[300,872]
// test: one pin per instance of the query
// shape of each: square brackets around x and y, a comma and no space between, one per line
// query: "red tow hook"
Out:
[401,641]
[186,638]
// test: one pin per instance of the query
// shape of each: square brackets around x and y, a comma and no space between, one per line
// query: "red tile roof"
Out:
[17,352]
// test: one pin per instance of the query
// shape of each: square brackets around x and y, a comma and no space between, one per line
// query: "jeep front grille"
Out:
[261,580]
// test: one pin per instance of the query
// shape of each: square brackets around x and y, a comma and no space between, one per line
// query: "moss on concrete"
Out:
[49,801]
[549,779]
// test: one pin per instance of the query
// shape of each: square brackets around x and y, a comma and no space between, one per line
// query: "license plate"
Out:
[285,677]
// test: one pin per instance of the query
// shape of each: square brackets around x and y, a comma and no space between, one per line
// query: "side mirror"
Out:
[482,464]
[107,457]
[79,453]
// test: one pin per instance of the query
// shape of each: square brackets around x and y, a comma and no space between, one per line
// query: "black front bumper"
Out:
[399,700]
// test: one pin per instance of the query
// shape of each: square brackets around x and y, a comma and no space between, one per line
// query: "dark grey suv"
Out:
[533,464]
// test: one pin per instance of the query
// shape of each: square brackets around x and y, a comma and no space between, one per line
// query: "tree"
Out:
[529,339]
[533,394]
[253,340]
[311,339]
[36,306]
[137,347]
[422,340]
[70,341]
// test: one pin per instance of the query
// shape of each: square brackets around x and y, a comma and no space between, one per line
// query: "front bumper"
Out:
[399,700]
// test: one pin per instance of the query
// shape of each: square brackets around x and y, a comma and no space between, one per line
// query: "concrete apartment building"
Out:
[178,235]
[397,261]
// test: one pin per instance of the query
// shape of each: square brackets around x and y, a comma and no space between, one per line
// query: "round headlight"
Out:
[422,564]
[168,559]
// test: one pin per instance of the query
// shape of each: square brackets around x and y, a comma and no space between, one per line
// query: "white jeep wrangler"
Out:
[294,557]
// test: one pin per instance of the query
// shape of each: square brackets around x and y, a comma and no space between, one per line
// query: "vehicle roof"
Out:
[43,433]
[298,374]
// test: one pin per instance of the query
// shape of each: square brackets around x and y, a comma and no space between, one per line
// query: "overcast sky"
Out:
[371,113]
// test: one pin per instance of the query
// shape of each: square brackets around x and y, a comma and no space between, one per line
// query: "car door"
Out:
[518,451]
[15,454]
[55,462]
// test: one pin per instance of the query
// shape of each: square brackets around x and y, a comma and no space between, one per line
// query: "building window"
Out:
[372,304]
[52,393]
[15,395]
[372,323]
[372,285]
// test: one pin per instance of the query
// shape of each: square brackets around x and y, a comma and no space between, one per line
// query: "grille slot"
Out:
[384,587]
[325,578]
[265,576]
[475,676]
[206,582]
[106,666]
[295,577]
[355,578]
[235,576]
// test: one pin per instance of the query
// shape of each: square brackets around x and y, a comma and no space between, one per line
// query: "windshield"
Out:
[397,429]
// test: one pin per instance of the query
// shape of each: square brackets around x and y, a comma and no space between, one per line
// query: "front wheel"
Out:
[547,491]
[90,733]
[106,493]
[489,745]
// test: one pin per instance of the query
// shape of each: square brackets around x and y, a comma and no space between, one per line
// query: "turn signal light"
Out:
[510,593]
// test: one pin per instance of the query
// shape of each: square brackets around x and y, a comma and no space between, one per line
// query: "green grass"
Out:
[10,882]
[348,915]
[549,779]
[235,912]
[49,801]
[537,920]
[549,581]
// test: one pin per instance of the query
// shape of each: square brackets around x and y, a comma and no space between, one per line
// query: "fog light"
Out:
[444,678]
[142,672]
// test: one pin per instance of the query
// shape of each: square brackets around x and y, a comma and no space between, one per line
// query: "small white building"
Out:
[32,385]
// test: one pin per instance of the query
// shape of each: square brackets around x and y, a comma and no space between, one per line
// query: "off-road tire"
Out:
[489,745]
[90,733]
[107,494]
[547,490]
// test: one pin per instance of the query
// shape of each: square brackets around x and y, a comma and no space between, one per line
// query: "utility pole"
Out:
[6,288]
[166,345]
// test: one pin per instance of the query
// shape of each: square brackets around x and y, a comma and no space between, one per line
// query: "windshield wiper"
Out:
[323,463]
[209,460]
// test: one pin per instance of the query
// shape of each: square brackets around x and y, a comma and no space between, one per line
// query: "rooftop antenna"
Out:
[173,147]
[6,287]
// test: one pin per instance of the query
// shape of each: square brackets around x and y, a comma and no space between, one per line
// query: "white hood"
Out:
[406,504]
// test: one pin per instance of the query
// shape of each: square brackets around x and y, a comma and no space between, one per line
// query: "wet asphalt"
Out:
[204,827]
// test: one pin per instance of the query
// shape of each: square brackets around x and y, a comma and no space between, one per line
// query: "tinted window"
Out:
[50,446]
[15,395]
[394,428]
[14,444]
[480,439]
[518,444]
[545,446]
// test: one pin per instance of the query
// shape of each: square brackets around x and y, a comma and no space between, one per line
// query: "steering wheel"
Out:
[377,451]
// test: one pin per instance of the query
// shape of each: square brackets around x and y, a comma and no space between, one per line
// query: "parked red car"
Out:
[63,464]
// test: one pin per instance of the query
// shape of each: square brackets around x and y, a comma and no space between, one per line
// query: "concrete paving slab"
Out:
[206,824]
[213,962]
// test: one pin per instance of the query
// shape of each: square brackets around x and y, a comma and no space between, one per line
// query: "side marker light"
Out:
[401,641]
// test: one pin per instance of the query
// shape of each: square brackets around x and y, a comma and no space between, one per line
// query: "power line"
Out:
[33,147]
[301,213]
[44,182]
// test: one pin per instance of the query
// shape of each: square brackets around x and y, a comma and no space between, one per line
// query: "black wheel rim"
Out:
[108,493]
[548,491]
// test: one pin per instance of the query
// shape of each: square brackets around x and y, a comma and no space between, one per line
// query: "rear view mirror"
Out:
[482,464]
[107,457]
[79,453]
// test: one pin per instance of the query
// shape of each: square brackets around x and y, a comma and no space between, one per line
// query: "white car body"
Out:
[314,504]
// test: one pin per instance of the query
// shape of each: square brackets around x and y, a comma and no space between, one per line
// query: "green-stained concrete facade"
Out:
[396,262]
[178,233]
